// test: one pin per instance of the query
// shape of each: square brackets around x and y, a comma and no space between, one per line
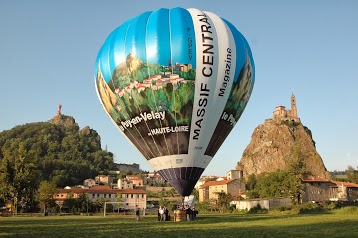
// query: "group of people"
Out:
[163,214]
[185,212]
[190,213]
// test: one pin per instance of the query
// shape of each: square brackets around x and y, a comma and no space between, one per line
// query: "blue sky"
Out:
[48,50]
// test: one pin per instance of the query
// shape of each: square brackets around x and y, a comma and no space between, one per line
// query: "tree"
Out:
[223,201]
[195,192]
[210,179]
[279,183]
[298,169]
[274,184]
[99,204]
[83,202]
[250,186]
[204,205]
[7,189]
[119,199]
[45,194]
[40,151]
[161,201]
[352,175]
[18,175]
[71,203]
[298,166]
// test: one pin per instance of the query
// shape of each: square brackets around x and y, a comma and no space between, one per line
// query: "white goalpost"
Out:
[128,205]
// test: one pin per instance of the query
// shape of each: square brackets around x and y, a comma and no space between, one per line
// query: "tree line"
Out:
[43,151]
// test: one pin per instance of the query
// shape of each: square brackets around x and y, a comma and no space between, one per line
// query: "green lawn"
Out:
[206,226]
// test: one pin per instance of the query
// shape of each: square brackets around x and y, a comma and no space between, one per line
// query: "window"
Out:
[109,195]
[131,195]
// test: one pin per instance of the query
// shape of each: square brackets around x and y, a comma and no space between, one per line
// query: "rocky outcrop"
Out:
[275,144]
[127,67]
[63,120]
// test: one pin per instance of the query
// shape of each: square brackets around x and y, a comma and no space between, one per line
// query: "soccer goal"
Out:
[117,206]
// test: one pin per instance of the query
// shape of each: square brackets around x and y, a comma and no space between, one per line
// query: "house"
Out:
[209,190]
[129,197]
[346,191]
[124,184]
[221,178]
[155,178]
[200,182]
[103,179]
[135,179]
[319,190]
[235,174]
[89,183]
[203,180]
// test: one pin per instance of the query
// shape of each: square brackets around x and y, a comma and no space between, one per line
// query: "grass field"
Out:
[335,224]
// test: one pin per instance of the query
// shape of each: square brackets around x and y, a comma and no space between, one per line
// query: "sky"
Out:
[309,48]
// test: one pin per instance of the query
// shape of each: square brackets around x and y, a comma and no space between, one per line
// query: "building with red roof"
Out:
[129,197]
[347,191]
[210,190]
[319,190]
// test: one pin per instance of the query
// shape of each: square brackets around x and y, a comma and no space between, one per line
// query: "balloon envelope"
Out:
[175,82]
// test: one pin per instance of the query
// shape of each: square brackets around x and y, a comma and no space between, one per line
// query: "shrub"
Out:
[257,210]
[304,208]
[280,208]
[347,210]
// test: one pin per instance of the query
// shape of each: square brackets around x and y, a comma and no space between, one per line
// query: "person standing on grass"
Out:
[188,213]
[165,213]
[161,213]
[137,213]
[158,213]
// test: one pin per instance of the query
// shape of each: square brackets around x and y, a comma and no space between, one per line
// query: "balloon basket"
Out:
[179,215]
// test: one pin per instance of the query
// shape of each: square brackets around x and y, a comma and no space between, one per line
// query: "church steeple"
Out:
[294,106]
[283,114]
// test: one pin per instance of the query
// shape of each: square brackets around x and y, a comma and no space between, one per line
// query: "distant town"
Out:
[135,186]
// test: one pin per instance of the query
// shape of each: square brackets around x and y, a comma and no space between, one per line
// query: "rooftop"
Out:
[215,183]
[101,190]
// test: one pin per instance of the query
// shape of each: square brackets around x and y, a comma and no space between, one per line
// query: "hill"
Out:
[278,142]
[56,150]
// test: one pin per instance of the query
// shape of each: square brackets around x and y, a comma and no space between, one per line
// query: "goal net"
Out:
[121,207]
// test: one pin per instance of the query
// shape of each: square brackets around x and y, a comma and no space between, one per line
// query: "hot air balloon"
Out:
[175,82]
